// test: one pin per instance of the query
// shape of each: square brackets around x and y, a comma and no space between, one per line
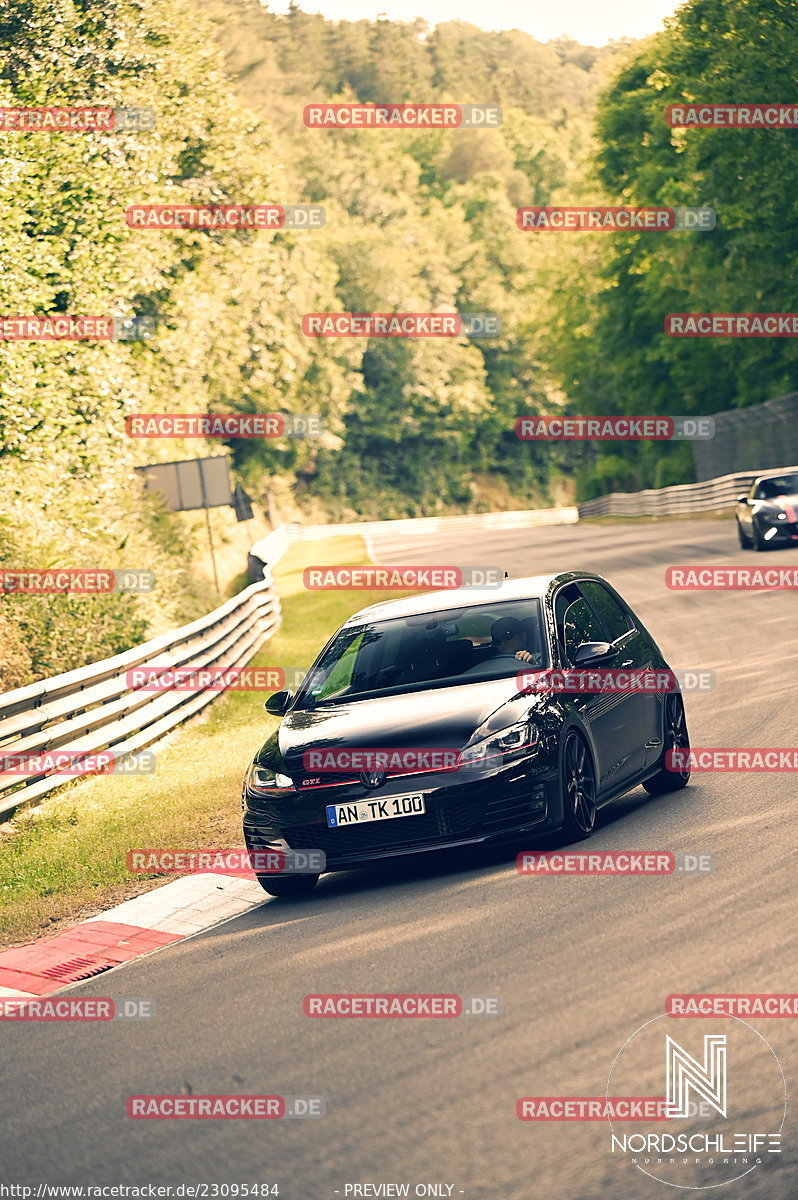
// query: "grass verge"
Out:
[65,860]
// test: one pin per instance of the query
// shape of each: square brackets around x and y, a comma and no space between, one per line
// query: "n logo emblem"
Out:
[683,1073]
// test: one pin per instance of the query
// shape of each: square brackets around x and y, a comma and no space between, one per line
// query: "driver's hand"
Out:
[524,655]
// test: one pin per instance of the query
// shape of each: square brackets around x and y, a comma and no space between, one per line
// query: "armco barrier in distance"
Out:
[712,495]
[270,549]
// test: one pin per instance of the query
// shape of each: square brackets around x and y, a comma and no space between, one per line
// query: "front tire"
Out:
[743,539]
[676,737]
[758,542]
[287,885]
[578,782]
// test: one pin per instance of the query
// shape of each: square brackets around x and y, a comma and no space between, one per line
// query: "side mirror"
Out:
[594,652]
[742,499]
[279,703]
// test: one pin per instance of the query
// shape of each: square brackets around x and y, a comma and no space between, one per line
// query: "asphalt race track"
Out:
[579,963]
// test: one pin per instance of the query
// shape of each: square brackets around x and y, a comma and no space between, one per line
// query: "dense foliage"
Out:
[426,222]
[416,221]
[610,351]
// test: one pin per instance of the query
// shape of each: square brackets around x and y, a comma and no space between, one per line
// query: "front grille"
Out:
[439,824]
[460,817]
[340,778]
[365,839]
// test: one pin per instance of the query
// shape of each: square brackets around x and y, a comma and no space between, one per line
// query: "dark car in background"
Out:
[768,512]
[440,672]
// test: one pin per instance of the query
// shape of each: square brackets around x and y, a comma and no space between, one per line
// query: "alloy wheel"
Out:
[676,737]
[579,782]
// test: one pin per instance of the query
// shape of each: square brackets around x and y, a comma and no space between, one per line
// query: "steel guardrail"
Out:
[92,709]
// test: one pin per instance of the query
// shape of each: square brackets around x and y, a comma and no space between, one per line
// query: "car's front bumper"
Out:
[460,810]
[785,531]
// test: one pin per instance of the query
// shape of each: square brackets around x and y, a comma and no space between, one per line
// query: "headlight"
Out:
[513,742]
[264,779]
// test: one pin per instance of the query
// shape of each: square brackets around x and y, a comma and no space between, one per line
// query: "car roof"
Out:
[530,587]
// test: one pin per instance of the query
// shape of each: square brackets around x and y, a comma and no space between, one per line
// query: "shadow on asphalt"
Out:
[442,866]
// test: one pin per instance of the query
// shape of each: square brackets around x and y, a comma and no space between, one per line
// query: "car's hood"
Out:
[445,718]
[787,504]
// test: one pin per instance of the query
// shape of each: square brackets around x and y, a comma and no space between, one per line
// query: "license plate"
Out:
[375,810]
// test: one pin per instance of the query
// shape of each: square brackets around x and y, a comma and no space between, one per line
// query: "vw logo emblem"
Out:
[372,779]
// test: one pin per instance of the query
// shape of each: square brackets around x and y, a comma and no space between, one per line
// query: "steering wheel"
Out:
[388,676]
[484,667]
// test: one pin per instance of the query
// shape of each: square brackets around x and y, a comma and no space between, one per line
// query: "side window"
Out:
[562,600]
[580,625]
[576,622]
[613,617]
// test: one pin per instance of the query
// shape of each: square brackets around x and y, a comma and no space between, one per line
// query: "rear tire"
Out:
[676,737]
[578,783]
[287,885]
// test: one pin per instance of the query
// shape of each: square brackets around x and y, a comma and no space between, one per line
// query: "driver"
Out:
[508,636]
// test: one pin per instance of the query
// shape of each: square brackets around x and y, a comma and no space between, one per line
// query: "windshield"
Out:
[429,650]
[782,485]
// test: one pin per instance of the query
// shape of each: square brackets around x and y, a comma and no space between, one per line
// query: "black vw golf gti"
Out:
[434,721]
